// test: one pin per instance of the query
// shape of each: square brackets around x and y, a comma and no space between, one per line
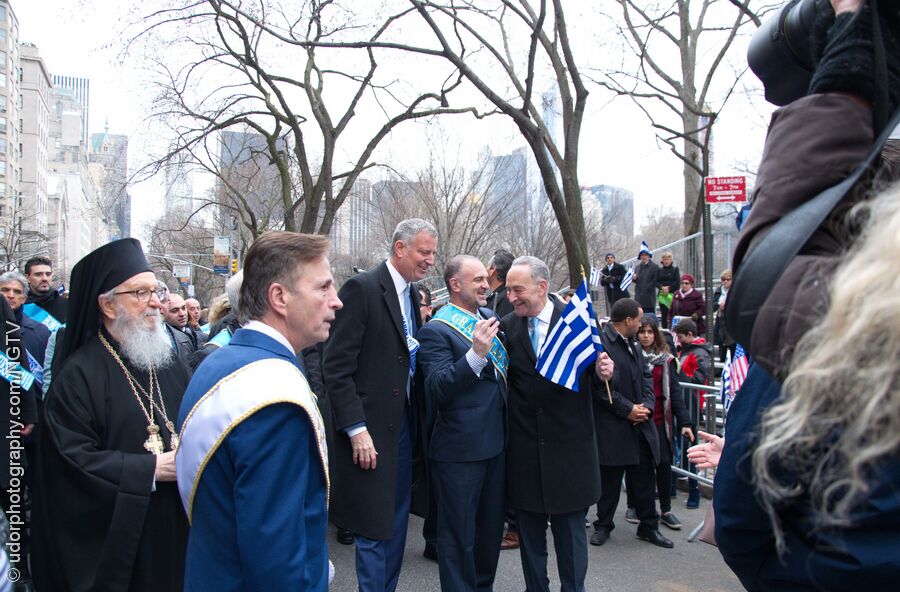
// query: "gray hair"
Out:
[539,269]
[407,230]
[11,276]
[233,290]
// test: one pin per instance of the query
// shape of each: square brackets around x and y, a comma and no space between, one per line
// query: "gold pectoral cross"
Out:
[154,443]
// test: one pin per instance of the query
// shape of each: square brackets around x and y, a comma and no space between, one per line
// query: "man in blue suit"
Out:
[253,464]
[464,364]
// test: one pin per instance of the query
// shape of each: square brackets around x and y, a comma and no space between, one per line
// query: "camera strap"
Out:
[764,264]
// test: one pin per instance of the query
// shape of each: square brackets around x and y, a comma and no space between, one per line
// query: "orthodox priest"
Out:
[106,512]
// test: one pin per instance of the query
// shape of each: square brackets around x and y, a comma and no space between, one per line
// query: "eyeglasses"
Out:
[144,294]
[685,283]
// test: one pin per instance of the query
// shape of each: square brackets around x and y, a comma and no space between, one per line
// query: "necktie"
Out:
[411,343]
[535,336]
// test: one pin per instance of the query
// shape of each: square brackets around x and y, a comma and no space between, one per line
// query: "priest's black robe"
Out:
[97,524]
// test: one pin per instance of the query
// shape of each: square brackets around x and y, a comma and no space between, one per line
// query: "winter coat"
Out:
[690,304]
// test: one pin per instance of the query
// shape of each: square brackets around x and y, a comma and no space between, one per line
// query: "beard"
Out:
[143,346]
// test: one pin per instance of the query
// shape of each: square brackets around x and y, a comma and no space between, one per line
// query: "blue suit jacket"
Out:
[470,410]
[259,518]
[864,556]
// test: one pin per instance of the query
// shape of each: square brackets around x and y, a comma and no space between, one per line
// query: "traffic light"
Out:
[234,266]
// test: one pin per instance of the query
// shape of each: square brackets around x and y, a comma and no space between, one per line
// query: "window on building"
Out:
[2,77]
[3,14]
[2,34]
[2,168]
[3,148]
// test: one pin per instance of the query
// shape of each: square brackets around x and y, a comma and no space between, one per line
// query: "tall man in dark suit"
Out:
[626,435]
[551,459]
[369,364]
[464,364]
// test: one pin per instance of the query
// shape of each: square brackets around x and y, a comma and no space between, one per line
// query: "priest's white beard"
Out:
[143,346]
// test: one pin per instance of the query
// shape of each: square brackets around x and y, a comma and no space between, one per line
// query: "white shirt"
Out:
[476,362]
[401,284]
[272,332]
[544,317]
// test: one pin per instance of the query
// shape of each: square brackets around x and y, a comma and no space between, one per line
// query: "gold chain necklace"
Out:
[154,442]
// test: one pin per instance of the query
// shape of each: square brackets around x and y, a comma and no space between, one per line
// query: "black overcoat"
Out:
[551,459]
[632,383]
[366,368]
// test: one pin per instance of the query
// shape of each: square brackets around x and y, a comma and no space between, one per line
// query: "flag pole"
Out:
[605,382]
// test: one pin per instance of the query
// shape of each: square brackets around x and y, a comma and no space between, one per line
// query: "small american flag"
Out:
[734,374]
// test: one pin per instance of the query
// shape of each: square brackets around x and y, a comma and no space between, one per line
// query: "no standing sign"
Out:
[726,189]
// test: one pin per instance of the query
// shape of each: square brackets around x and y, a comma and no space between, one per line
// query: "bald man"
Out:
[175,313]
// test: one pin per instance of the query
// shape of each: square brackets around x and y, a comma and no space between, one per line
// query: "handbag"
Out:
[764,264]
[708,531]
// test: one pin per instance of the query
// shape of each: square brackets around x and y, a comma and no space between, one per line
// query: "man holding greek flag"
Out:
[574,342]
[552,464]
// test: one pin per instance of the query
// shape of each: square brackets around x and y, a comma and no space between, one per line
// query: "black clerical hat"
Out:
[98,272]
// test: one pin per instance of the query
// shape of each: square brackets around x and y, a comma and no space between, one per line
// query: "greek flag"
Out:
[573,343]
[595,276]
[626,281]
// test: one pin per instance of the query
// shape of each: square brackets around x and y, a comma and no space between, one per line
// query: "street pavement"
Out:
[623,564]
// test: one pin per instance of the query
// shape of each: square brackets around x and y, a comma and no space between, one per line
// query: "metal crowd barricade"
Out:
[706,414]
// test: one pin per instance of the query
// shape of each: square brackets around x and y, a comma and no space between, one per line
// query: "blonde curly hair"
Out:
[839,416]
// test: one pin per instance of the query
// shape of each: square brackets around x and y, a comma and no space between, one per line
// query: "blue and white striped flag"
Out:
[595,276]
[573,343]
[626,281]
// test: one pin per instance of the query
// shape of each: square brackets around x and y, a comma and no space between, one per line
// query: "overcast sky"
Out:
[78,38]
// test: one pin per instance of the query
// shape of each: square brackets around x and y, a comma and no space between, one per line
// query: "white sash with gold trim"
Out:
[229,402]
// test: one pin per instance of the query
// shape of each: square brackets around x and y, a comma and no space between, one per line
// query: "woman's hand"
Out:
[706,456]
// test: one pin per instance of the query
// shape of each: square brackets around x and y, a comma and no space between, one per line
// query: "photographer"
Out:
[818,506]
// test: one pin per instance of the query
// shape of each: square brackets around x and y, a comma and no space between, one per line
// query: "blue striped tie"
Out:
[535,336]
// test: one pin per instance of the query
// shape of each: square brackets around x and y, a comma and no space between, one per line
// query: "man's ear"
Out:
[278,298]
[106,306]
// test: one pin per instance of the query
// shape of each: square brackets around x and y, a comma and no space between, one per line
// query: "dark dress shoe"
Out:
[600,536]
[510,540]
[430,552]
[344,536]
[654,537]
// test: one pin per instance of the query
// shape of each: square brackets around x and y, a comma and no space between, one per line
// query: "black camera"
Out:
[785,51]
[781,53]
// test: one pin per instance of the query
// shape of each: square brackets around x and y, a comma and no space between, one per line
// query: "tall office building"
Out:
[11,215]
[178,187]
[81,89]
[350,233]
[79,219]
[35,135]
[617,205]
[111,151]
[246,169]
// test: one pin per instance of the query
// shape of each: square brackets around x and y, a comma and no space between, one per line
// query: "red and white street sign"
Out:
[725,189]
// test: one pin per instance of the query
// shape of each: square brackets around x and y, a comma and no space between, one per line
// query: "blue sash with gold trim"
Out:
[464,324]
